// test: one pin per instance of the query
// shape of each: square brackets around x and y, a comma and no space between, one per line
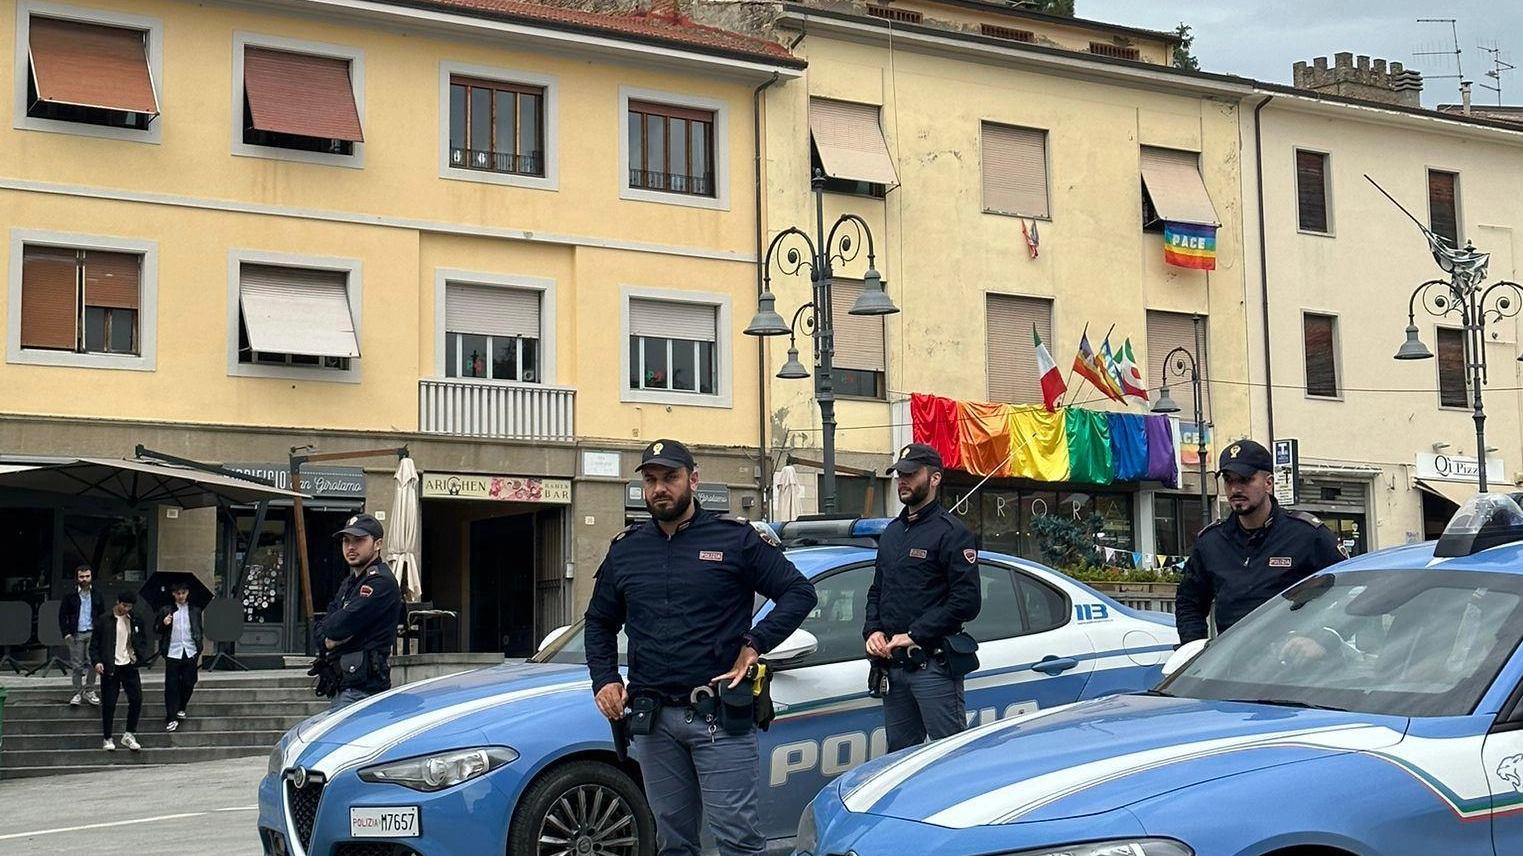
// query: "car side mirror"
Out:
[1183,655]
[799,644]
[551,637]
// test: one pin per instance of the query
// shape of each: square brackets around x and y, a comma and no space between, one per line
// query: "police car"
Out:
[1373,708]
[516,758]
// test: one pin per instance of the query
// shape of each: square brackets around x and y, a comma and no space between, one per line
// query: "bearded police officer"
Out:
[1258,551]
[682,586]
[360,626]
[925,588]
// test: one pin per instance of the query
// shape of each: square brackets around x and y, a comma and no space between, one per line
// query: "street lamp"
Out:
[1181,363]
[823,251]
[1461,295]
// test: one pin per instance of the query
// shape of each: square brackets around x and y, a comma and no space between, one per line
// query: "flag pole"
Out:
[1068,383]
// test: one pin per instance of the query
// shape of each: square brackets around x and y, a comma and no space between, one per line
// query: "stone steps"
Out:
[150,734]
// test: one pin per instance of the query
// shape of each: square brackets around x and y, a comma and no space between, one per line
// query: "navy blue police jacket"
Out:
[925,582]
[1239,569]
[364,612]
[686,602]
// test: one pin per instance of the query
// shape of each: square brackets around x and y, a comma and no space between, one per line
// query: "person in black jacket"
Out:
[179,628]
[360,626]
[1254,554]
[925,588]
[77,619]
[118,648]
[682,586]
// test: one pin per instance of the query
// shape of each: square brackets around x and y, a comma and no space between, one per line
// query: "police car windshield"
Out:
[571,647]
[1403,643]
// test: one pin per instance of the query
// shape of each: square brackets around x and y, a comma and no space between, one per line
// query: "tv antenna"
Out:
[1454,51]
[1498,65]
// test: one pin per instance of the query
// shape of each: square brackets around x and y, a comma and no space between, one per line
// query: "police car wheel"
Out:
[584,808]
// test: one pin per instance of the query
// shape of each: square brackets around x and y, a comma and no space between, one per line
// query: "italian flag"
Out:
[1052,379]
[1131,376]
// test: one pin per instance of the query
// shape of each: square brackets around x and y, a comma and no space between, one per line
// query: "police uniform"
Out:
[1238,569]
[364,614]
[685,602]
[925,583]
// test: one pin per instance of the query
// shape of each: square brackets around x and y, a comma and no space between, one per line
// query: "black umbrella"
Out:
[158,591]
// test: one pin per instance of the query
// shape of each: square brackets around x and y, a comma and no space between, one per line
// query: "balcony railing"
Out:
[464,408]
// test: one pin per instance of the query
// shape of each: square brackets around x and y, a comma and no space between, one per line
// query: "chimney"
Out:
[1362,78]
[1465,97]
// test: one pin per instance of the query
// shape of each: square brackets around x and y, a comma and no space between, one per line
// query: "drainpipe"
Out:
[763,459]
[1258,163]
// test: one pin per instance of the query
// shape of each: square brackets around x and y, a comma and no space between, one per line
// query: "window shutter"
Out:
[292,93]
[1011,354]
[49,298]
[858,338]
[92,65]
[491,311]
[1321,362]
[289,310]
[111,279]
[1453,379]
[1311,190]
[1175,185]
[1443,214]
[1167,331]
[850,141]
[670,319]
[1015,170]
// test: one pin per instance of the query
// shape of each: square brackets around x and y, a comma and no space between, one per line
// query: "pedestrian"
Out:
[179,627]
[682,586]
[1255,553]
[76,619]
[925,588]
[118,648]
[360,626]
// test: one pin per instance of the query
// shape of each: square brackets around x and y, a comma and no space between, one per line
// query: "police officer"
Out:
[360,626]
[1258,551]
[682,585]
[925,588]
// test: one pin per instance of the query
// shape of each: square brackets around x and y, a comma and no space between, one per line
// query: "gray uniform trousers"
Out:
[690,774]
[80,668]
[920,702]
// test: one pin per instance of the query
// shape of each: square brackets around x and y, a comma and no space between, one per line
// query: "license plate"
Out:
[371,822]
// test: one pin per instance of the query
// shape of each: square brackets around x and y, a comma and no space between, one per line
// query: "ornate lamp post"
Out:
[814,318]
[1181,363]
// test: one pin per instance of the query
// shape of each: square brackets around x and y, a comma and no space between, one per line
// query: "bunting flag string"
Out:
[1115,557]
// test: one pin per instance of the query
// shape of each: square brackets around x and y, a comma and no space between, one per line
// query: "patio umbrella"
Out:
[138,482]
[158,591]
[787,494]
[402,532]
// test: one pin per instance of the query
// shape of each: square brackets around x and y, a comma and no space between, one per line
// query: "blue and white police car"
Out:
[516,759]
[1373,709]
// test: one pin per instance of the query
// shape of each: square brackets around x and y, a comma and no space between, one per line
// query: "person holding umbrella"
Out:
[179,628]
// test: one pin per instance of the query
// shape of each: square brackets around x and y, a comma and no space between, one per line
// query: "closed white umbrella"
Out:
[402,533]
[787,494]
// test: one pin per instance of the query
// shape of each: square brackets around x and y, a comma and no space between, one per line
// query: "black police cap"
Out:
[914,456]
[666,453]
[361,525]
[1245,458]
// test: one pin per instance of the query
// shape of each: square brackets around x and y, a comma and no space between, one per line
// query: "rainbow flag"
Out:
[1190,246]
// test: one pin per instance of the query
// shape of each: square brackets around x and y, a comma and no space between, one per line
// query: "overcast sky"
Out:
[1262,40]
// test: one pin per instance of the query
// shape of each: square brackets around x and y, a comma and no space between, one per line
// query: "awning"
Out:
[850,141]
[300,94]
[91,65]
[138,482]
[1456,492]
[297,311]
[1176,188]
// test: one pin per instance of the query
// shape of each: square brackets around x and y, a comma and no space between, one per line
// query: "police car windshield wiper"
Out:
[1156,693]
[1287,702]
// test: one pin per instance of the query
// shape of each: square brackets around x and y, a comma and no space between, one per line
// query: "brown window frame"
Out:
[503,161]
[1453,205]
[1449,344]
[82,306]
[643,177]
[1321,379]
[1312,211]
[898,16]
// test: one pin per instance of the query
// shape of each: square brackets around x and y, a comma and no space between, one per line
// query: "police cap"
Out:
[361,525]
[666,453]
[1245,458]
[914,456]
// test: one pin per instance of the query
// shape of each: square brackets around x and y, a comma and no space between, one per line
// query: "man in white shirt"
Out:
[118,648]
[179,627]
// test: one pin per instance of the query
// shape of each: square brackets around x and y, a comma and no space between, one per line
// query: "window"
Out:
[1173,190]
[1114,51]
[671,346]
[492,333]
[294,320]
[864,495]
[848,146]
[837,618]
[87,72]
[1011,353]
[297,101]
[1453,373]
[1007,33]
[859,344]
[1170,330]
[671,149]
[1000,615]
[1321,335]
[903,16]
[1176,522]
[1311,191]
[1045,608]
[496,126]
[80,301]
[1443,205]
[1015,170]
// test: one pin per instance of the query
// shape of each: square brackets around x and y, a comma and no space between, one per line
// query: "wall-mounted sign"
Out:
[1287,471]
[328,482]
[602,464]
[496,488]
[713,497]
[1458,468]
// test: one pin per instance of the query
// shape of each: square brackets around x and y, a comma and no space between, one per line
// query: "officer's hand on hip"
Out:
[743,664]
[612,699]
[877,645]
[900,640]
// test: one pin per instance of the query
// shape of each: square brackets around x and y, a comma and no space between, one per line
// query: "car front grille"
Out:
[372,848]
[303,805]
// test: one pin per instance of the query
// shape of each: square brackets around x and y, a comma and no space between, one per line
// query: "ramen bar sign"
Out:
[496,488]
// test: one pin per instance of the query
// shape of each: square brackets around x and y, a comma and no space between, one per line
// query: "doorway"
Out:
[504,553]
[1350,529]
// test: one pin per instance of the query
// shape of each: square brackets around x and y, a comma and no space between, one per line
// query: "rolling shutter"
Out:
[1011,354]
[300,94]
[297,311]
[1167,331]
[49,298]
[111,279]
[1176,188]
[858,338]
[91,65]
[670,319]
[491,311]
[1311,191]
[1015,170]
[850,141]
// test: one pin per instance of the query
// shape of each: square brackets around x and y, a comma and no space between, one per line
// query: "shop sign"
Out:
[326,482]
[1458,468]
[713,497]
[496,488]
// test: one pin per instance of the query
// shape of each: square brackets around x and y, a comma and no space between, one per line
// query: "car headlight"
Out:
[809,834]
[1128,847]
[440,770]
[277,759]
